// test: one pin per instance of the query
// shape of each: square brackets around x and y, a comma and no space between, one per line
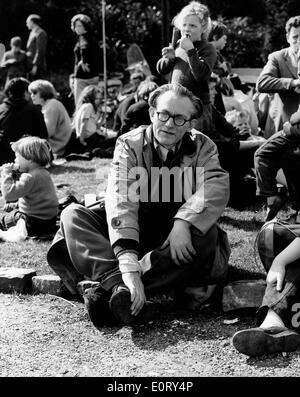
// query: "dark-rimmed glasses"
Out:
[177,118]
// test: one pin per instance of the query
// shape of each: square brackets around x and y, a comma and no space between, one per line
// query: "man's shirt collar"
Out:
[295,57]
[163,151]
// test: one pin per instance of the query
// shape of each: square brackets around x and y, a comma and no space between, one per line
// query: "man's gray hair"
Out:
[180,91]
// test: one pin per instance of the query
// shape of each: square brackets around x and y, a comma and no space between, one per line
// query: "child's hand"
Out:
[168,52]
[186,43]
[276,274]
[7,168]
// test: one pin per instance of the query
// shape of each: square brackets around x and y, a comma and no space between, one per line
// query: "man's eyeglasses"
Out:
[177,119]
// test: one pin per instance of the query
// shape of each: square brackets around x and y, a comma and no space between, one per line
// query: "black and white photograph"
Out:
[149,192]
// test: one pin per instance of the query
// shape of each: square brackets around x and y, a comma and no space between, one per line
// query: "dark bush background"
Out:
[256,27]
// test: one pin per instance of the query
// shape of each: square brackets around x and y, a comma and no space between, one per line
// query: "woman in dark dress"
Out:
[87,55]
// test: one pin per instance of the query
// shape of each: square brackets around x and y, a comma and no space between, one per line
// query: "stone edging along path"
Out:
[236,295]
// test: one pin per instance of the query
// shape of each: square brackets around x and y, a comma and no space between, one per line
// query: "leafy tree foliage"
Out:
[245,44]
[256,27]
[278,13]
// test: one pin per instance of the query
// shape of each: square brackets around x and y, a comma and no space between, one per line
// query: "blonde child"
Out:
[240,120]
[192,60]
[28,182]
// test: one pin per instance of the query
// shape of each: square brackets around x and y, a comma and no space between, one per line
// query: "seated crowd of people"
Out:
[86,133]
[205,118]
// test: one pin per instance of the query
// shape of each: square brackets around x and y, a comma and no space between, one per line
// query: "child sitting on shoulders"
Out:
[28,182]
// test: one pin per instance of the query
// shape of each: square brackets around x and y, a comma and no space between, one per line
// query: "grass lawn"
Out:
[45,335]
[81,177]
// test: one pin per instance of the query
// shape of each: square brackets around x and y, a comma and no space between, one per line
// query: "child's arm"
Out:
[11,189]
[51,120]
[292,128]
[201,63]
[165,64]
[288,255]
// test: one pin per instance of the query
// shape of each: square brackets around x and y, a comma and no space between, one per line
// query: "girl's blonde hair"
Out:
[35,149]
[88,95]
[198,9]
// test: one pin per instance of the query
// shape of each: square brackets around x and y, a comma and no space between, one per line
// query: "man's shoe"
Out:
[120,306]
[193,298]
[275,207]
[258,341]
[96,303]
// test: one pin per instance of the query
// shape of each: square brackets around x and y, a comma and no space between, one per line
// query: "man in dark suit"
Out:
[36,47]
[281,78]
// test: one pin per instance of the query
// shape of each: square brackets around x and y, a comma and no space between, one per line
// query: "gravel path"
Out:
[47,336]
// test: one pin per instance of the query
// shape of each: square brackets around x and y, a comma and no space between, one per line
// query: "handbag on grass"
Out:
[274,237]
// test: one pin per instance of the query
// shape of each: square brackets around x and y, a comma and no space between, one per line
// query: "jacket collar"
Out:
[20,102]
[186,151]
[287,56]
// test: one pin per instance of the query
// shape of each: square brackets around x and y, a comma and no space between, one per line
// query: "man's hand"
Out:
[276,274]
[186,43]
[9,62]
[287,128]
[181,248]
[85,66]
[290,130]
[134,283]
[295,84]
[168,52]
[223,66]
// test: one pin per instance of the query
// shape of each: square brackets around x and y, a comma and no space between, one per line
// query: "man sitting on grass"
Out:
[158,231]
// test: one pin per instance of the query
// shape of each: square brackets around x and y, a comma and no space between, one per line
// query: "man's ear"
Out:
[151,113]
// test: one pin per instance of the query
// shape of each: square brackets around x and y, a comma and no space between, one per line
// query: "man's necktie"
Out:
[169,159]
